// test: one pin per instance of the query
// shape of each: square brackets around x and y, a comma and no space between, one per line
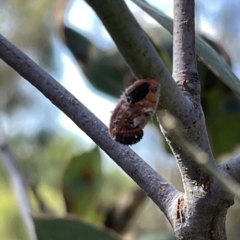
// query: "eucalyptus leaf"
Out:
[69,228]
[81,182]
[156,235]
[206,53]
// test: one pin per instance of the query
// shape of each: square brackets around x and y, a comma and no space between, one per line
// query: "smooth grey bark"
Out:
[232,168]
[201,210]
[18,185]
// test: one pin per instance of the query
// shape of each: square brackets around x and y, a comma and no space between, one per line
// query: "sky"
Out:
[80,15]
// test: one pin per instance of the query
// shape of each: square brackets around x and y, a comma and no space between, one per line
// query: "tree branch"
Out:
[201,191]
[232,167]
[202,216]
[192,121]
[184,58]
[156,187]
[220,174]
[138,51]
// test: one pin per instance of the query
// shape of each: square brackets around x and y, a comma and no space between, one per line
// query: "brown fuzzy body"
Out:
[135,108]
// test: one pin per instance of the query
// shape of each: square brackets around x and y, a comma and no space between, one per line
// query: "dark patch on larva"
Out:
[128,138]
[138,93]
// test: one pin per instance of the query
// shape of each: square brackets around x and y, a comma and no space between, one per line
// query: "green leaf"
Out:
[106,70]
[82,182]
[69,228]
[207,55]
[103,69]
[158,15]
[156,235]
[223,127]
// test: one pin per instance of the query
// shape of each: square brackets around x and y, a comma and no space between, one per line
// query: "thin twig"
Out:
[18,186]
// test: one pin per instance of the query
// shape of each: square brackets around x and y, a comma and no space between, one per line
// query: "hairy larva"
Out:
[135,108]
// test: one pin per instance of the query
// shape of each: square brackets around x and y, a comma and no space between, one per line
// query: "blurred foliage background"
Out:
[63,170]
